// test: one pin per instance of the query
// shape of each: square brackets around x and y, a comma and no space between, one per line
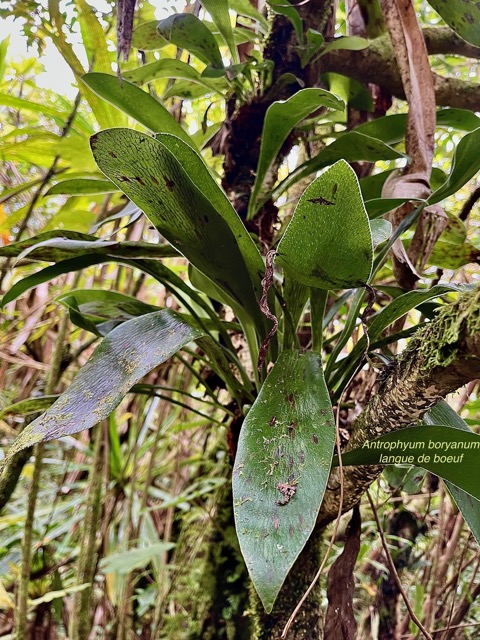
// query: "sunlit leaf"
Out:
[328,243]
[186,31]
[463,17]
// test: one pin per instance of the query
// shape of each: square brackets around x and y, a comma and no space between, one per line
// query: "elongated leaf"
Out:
[281,469]
[280,119]
[450,453]
[174,188]
[466,163]
[443,414]
[127,354]
[83,187]
[218,9]
[245,8]
[286,8]
[167,68]
[135,102]
[328,243]
[186,31]
[351,146]
[50,247]
[463,17]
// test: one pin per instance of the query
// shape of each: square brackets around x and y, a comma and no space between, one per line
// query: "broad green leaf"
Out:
[84,187]
[135,102]
[190,90]
[463,17]
[444,415]
[281,117]
[349,43]
[351,146]
[466,163]
[165,177]
[126,561]
[281,469]
[450,453]
[218,9]
[146,37]
[186,31]
[328,243]
[127,354]
[381,231]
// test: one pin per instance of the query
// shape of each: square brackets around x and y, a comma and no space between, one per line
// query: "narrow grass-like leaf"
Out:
[136,103]
[328,243]
[280,119]
[127,354]
[174,188]
[281,469]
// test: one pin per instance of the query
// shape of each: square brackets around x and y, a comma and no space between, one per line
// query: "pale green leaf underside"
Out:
[287,439]
[328,243]
[127,354]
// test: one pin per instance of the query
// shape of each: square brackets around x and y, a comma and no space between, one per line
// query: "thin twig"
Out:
[393,570]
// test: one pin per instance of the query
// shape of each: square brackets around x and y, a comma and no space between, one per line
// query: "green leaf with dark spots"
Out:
[463,17]
[281,469]
[172,185]
[136,103]
[127,354]
[218,9]
[186,31]
[328,243]
[146,37]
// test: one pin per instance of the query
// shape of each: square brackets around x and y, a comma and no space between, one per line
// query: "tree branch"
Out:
[376,64]
[439,359]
